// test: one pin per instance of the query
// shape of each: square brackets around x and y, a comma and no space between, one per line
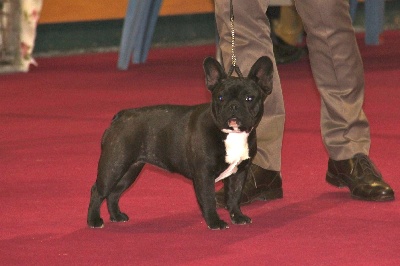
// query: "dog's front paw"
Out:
[119,217]
[96,223]
[218,225]
[240,219]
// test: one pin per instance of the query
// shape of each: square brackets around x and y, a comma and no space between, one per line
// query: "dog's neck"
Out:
[237,150]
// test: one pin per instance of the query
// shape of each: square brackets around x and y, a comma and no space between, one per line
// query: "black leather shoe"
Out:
[260,184]
[361,176]
[285,53]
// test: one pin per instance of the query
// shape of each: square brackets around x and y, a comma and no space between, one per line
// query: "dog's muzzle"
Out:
[234,126]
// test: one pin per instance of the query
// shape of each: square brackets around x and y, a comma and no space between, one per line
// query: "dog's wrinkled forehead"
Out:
[238,83]
[234,87]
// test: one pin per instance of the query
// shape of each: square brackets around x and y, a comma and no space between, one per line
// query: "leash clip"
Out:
[236,69]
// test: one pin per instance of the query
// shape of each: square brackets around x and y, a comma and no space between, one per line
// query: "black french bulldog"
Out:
[205,143]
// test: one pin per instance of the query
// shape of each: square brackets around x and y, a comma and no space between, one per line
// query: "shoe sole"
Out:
[375,199]
[335,181]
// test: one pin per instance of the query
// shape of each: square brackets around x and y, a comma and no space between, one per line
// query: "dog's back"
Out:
[150,133]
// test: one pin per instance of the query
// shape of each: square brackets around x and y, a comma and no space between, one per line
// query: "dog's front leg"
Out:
[233,191]
[205,193]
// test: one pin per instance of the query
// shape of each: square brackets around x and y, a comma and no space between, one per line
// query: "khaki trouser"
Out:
[336,65]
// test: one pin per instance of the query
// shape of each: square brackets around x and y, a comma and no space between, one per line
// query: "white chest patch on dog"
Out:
[237,150]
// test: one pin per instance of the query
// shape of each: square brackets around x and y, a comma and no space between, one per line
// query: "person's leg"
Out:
[338,72]
[252,40]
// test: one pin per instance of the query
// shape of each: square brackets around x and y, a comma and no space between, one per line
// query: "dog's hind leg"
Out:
[93,219]
[107,179]
[114,163]
[113,198]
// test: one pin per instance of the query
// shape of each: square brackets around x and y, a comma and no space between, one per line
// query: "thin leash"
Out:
[233,67]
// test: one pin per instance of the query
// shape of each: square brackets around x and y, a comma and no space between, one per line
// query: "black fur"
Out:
[184,139]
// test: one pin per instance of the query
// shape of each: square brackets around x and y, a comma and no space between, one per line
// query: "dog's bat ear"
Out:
[261,72]
[213,71]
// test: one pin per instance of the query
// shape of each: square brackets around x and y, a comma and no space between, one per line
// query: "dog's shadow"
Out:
[265,215]
[269,217]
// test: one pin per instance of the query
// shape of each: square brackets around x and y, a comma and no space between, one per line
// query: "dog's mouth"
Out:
[234,126]
[234,123]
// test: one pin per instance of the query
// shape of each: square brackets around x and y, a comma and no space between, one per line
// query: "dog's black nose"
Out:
[234,107]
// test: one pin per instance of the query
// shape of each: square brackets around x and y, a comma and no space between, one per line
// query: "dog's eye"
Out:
[249,98]
[221,98]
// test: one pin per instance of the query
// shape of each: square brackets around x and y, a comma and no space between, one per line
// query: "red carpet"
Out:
[52,119]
